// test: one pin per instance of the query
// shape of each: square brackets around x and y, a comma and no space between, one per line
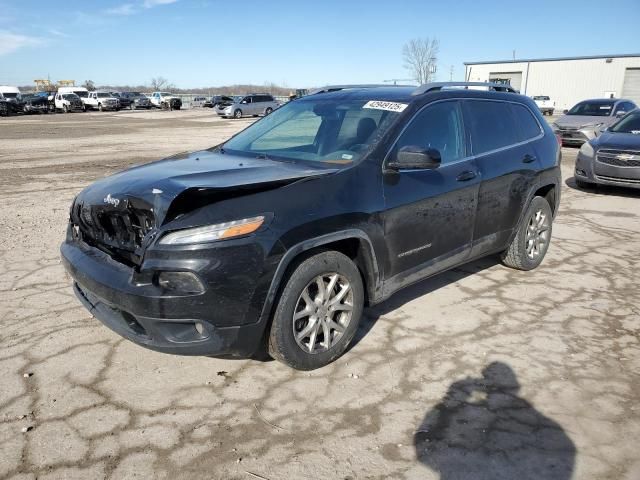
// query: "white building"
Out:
[566,80]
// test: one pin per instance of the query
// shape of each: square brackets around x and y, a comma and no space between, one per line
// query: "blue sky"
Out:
[197,43]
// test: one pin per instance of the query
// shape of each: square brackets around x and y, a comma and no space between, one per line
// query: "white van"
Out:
[82,92]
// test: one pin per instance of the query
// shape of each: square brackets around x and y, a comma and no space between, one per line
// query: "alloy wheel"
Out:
[537,237]
[323,312]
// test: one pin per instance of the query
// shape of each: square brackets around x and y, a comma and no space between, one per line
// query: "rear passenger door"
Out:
[503,136]
[429,214]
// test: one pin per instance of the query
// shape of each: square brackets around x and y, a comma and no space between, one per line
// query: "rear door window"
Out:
[529,126]
[492,124]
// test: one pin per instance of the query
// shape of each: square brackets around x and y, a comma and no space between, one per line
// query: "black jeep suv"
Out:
[281,235]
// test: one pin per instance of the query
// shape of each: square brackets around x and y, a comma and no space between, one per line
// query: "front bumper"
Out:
[591,170]
[223,320]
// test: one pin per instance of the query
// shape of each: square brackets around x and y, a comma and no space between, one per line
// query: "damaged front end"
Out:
[178,255]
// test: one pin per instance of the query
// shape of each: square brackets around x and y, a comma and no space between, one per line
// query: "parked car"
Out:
[200,102]
[36,103]
[138,100]
[81,92]
[166,101]
[545,104]
[336,200]
[11,100]
[219,99]
[253,104]
[68,102]
[102,101]
[125,102]
[612,158]
[587,119]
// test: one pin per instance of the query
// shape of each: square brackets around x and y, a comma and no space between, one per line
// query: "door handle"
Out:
[466,176]
[528,159]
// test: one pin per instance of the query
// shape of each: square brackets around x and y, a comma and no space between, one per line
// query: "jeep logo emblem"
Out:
[113,201]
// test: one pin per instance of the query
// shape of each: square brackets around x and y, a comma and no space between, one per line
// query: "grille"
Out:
[118,232]
[619,179]
[611,157]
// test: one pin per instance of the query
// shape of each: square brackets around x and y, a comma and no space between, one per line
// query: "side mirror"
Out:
[620,114]
[412,157]
[565,111]
[243,102]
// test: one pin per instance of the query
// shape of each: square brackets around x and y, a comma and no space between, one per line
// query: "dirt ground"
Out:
[479,373]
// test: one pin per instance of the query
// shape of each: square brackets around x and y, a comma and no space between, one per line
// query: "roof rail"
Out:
[435,86]
[335,88]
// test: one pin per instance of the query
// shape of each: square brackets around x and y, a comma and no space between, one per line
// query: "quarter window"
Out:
[439,127]
[529,127]
[492,125]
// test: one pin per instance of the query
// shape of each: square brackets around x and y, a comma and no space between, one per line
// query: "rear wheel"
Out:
[237,113]
[318,312]
[530,245]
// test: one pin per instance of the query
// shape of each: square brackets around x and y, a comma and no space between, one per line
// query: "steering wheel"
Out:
[357,147]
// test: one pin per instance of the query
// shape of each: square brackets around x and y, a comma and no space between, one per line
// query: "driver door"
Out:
[430,213]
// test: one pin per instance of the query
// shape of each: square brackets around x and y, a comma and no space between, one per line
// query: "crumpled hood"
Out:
[619,141]
[577,121]
[157,184]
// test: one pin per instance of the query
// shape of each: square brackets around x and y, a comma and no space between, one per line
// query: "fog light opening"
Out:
[181,282]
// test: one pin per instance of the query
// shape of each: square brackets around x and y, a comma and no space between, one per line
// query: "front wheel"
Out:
[100,107]
[268,111]
[65,109]
[530,245]
[318,312]
[237,113]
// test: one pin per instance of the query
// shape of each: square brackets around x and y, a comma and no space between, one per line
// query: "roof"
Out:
[557,59]
[389,93]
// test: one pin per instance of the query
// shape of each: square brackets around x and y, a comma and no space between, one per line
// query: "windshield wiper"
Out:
[262,156]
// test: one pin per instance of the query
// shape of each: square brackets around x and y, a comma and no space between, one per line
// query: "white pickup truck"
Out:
[545,104]
[165,100]
[102,101]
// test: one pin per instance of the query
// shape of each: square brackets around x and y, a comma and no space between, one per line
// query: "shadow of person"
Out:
[483,430]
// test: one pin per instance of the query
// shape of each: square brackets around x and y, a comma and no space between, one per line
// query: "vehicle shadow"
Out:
[482,430]
[604,189]
[424,287]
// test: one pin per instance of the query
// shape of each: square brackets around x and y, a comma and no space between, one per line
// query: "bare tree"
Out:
[160,83]
[420,57]
[89,85]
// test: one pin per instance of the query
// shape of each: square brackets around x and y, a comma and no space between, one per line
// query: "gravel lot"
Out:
[479,373]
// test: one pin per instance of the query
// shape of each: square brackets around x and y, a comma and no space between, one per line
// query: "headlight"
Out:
[555,127]
[586,150]
[211,233]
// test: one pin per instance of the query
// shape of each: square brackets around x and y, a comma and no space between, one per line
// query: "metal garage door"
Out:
[631,87]
[512,78]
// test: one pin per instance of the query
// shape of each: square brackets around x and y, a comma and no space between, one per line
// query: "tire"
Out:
[237,113]
[65,109]
[584,185]
[333,268]
[530,245]
[268,111]
[100,107]
[132,107]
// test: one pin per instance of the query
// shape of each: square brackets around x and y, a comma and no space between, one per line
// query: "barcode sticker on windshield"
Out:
[390,106]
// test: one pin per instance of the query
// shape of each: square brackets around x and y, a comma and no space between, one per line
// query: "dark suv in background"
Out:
[281,235]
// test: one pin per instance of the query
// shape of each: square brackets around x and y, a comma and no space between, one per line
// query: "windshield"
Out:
[70,96]
[10,95]
[541,97]
[628,124]
[165,94]
[592,109]
[82,93]
[328,131]
[104,95]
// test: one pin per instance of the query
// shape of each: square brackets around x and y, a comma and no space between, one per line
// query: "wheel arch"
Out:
[353,243]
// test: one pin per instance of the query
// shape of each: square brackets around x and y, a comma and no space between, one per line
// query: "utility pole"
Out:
[514,54]
[451,74]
